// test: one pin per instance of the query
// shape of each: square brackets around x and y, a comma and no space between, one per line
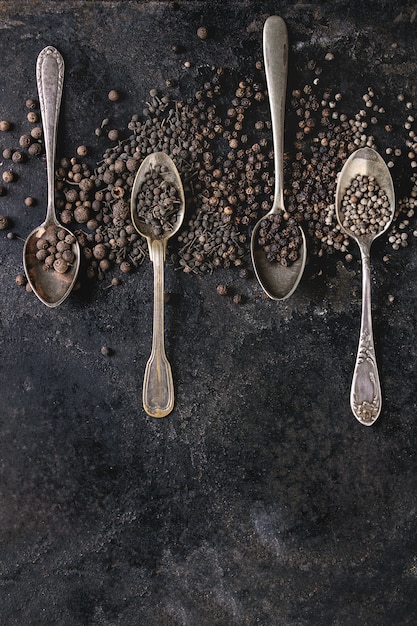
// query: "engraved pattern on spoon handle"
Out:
[366,396]
[275,48]
[50,80]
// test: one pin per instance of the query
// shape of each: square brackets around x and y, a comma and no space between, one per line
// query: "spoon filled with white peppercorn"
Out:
[365,208]
[157,210]
[51,254]
[278,245]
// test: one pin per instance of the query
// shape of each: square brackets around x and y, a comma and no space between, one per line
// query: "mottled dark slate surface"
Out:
[260,499]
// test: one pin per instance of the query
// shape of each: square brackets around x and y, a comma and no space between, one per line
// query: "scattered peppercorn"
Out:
[222,289]
[113,95]
[113,134]
[32,117]
[5,125]
[4,222]
[8,176]
[202,32]
[82,151]
[21,280]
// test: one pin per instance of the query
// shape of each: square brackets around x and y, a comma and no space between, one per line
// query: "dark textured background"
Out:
[260,499]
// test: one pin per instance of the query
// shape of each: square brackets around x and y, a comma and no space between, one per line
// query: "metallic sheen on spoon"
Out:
[158,387]
[277,280]
[365,396]
[50,286]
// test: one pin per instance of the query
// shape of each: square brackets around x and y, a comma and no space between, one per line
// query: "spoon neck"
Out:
[157,250]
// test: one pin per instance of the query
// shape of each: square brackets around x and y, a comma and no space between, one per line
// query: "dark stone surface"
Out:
[260,499]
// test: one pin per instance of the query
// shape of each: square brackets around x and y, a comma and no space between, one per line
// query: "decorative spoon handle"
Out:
[275,43]
[50,80]
[365,395]
[158,386]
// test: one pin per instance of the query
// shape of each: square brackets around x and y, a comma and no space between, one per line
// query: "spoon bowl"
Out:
[158,387]
[277,280]
[365,396]
[50,286]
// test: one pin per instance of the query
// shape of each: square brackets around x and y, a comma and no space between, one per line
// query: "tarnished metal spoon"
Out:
[277,280]
[365,395]
[50,286]
[158,387]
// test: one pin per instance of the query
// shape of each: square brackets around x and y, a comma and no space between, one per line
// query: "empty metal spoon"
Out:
[158,387]
[365,396]
[50,286]
[277,280]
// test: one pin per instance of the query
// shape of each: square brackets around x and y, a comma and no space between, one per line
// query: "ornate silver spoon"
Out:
[365,395]
[51,286]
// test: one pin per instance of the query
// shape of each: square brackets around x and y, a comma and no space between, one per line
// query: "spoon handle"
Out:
[275,44]
[50,80]
[366,396]
[158,386]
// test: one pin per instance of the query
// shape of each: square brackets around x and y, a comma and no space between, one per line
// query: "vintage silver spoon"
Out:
[158,387]
[277,280]
[50,286]
[365,396]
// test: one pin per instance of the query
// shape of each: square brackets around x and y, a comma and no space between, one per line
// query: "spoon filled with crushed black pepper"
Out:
[365,208]
[51,254]
[157,210]
[278,245]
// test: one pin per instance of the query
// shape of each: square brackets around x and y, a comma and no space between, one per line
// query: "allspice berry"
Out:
[4,222]
[25,141]
[113,135]
[82,151]
[113,95]
[32,117]
[21,280]
[7,176]
[18,157]
[60,266]
[202,32]
[81,214]
[36,132]
[125,267]
[100,251]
